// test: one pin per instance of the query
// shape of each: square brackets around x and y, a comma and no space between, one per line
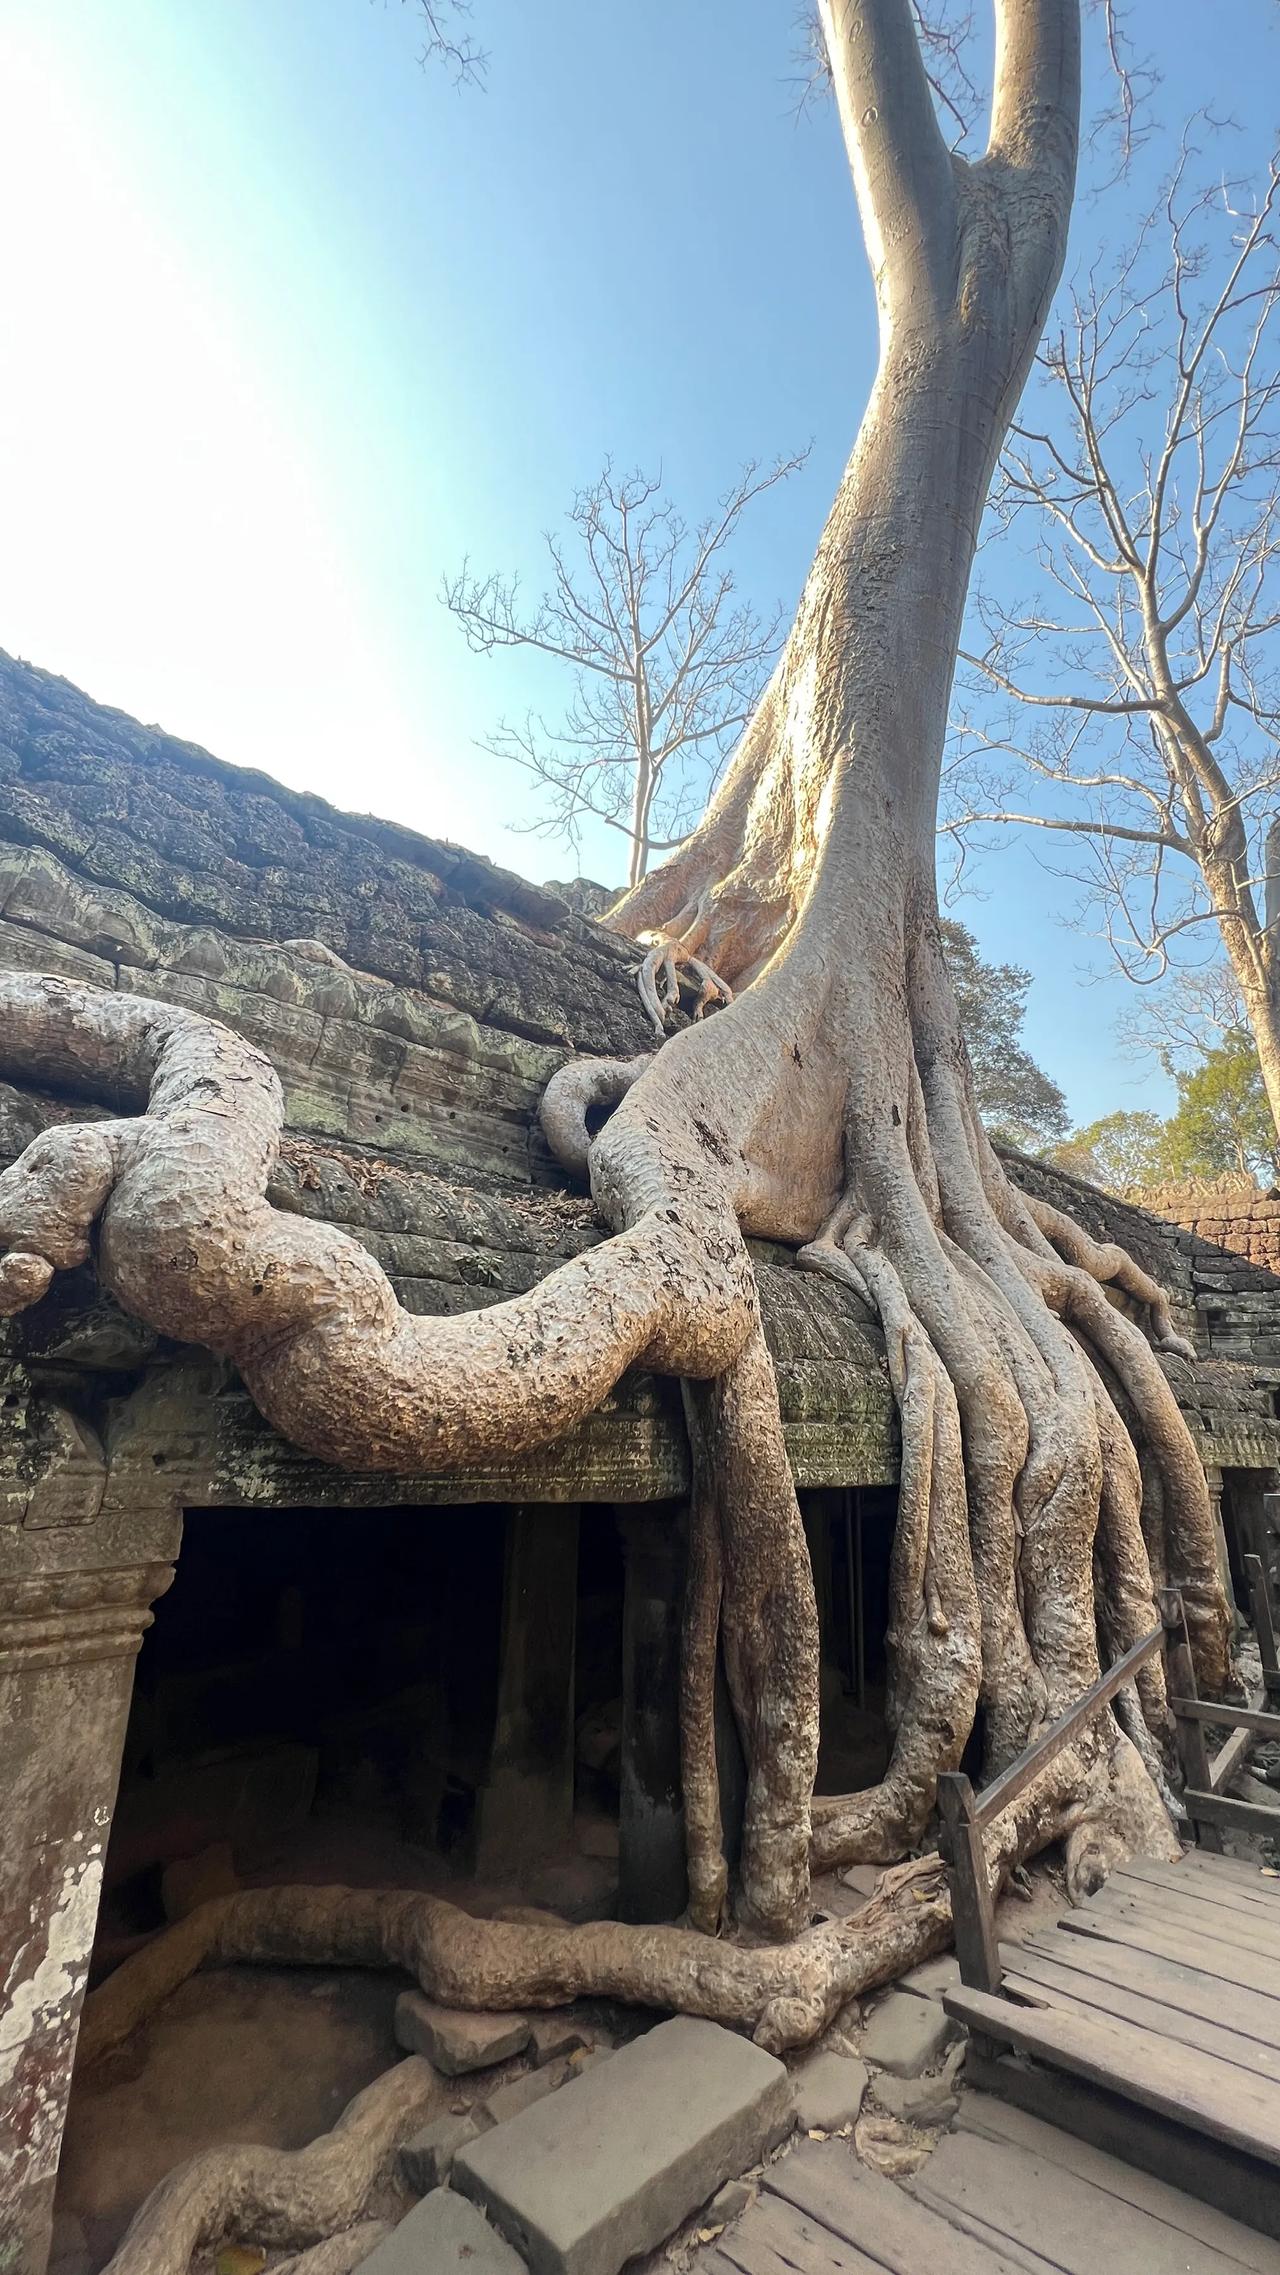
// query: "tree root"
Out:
[281,2196]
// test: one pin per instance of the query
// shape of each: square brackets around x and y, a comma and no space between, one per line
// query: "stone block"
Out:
[441,2235]
[828,2092]
[933,1977]
[924,2101]
[426,2161]
[907,2034]
[507,2101]
[552,2036]
[456,2042]
[607,2167]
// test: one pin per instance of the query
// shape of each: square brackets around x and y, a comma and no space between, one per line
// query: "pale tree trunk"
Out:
[831,1106]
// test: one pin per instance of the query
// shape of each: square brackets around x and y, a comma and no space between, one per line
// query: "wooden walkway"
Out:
[1149,2020]
[1002,2195]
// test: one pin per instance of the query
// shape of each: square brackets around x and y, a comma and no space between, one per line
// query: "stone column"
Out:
[67,1646]
[1213,1478]
[524,1810]
[652,1881]
[77,1581]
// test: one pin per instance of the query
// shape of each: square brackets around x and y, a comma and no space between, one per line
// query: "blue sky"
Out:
[292,327]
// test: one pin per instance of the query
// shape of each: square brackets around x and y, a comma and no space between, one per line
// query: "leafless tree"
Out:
[449,41]
[1136,692]
[666,659]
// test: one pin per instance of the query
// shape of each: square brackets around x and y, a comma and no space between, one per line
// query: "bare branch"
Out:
[666,661]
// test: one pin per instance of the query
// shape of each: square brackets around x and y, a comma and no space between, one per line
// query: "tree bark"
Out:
[830,1106]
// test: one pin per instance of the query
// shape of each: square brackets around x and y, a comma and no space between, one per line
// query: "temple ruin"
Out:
[215,1648]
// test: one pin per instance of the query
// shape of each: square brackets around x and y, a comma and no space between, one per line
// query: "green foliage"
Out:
[1222,1122]
[1017,1100]
[1118,1151]
[1223,1119]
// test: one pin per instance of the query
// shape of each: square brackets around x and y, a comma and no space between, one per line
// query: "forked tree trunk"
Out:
[831,1105]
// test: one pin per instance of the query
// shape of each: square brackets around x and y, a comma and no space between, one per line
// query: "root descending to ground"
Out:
[1049,1484]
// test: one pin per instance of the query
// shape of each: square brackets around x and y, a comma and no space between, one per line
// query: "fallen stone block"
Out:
[907,2034]
[933,1976]
[442,2234]
[508,2100]
[426,2161]
[552,2036]
[456,2042]
[606,2168]
[829,2091]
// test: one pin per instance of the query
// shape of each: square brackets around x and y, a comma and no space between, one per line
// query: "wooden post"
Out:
[1264,1626]
[972,1910]
[1180,1677]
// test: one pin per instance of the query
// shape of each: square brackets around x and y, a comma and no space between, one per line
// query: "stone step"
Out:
[609,2165]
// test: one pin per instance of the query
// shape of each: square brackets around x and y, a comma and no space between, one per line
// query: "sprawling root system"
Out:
[1049,1484]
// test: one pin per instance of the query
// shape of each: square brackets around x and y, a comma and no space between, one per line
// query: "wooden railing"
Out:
[966,1814]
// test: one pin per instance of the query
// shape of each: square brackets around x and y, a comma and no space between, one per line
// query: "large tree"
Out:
[830,1106]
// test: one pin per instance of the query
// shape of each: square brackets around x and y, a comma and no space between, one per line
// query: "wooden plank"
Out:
[748,2253]
[982,2229]
[1252,1972]
[1239,1816]
[1248,2013]
[901,2235]
[773,2236]
[1188,1915]
[1233,1871]
[973,1911]
[1232,1755]
[1208,1710]
[1033,1976]
[1193,1752]
[1188,2088]
[1203,1887]
[1001,2120]
[1028,2198]
[1028,1766]
[1263,1627]
[1234,2183]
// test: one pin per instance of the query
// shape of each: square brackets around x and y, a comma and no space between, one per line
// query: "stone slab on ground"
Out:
[454,2041]
[933,1976]
[907,2034]
[444,2235]
[426,2160]
[828,2092]
[607,2167]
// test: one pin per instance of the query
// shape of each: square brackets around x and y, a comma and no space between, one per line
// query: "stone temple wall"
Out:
[1222,1212]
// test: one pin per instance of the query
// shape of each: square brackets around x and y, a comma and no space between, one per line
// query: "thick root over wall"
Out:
[1049,1486]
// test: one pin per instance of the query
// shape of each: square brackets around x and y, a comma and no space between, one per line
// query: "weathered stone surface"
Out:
[426,2161]
[554,2036]
[508,2101]
[610,2165]
[442,2234]
[454,2041]
[729,2202]
[924,2101]
[906,2035]
[933,1977]
[828,2092]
